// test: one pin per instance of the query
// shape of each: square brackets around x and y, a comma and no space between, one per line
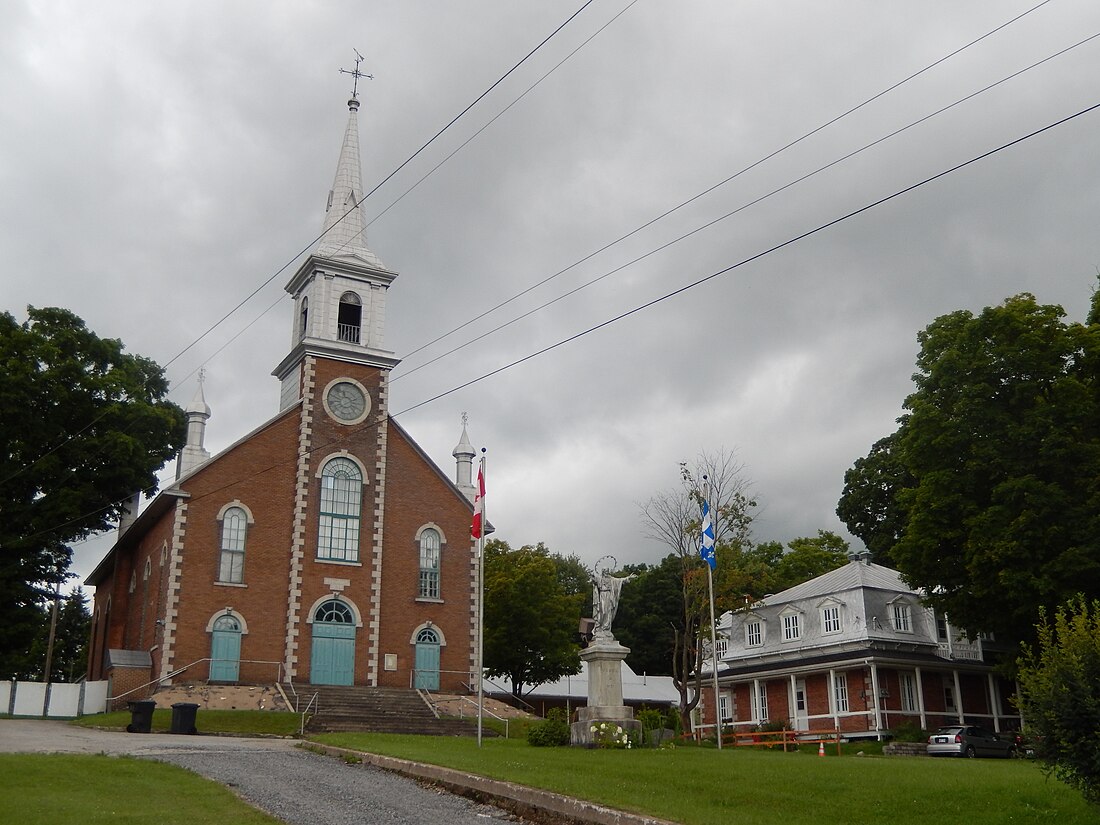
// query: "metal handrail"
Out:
[486,710]
[510,695]
[316,710]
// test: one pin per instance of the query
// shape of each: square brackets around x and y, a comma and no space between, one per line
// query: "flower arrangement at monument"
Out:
[609,735]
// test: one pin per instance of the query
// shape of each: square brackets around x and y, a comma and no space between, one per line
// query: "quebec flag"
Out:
[706,545]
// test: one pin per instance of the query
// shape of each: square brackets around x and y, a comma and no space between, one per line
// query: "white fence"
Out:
[63,700]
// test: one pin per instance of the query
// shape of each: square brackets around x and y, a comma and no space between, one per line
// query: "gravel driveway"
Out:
[298,787]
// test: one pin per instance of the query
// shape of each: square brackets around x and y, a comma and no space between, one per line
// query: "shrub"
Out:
[909,731]
[553,731]
[1059,695]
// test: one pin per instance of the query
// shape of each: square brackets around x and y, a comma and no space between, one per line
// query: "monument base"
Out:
[606,720]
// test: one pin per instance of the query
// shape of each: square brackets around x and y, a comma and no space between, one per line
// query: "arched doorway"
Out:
[225,649]
[427,660]
[332,661]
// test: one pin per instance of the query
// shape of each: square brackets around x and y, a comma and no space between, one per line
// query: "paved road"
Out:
[298,787]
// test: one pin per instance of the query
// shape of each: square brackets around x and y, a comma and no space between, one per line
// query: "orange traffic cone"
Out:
[820,748]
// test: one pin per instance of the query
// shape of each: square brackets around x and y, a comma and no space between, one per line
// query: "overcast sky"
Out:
[160,162]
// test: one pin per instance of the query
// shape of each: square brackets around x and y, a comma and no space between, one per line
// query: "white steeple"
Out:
[464,460]
[345,227]
[198,411]
[340,289]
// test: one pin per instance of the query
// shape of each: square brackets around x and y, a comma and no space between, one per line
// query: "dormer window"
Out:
[903,622]
[792,627]
[350,320]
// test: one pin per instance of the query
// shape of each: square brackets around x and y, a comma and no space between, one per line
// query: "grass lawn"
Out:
[58,789]
[246,722]
[700,786]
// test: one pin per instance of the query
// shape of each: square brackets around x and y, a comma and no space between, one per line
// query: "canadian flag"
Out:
[479,503]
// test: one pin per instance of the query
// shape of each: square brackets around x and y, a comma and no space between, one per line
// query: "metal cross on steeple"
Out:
[355,73]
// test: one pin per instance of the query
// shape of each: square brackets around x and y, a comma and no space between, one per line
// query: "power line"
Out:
[648,304]
[731,213]
[408,160]
[732,177]
[745,261]
[311,243]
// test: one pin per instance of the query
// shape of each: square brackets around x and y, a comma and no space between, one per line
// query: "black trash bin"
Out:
[183,717]
[141,716]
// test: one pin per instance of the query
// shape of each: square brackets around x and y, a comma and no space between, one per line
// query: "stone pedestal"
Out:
[606,711]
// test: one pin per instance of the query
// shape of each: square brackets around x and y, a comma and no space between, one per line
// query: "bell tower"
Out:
[339,291]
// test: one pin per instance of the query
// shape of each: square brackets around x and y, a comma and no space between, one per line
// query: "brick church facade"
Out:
[324,547]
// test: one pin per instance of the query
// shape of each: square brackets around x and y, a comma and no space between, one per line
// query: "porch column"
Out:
[874,693]
[920,701]
[792,702]
[994,702]
[832,699]
[958,697]
[761,709]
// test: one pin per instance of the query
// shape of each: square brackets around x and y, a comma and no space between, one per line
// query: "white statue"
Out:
[605,598]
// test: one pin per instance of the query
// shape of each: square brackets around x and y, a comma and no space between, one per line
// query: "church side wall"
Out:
[416,496]
[258,475]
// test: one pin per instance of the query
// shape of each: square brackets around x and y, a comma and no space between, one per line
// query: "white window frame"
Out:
[430,562]
[830,619]
[341,502]
[840,692]
[902,614]
[759,702]
[721,647]
[754,633]
[725,707]
[792,627]
[234,538]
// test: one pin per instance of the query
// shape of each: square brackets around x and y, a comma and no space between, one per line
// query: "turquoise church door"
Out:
[225,650]
[332,661]
[427,660]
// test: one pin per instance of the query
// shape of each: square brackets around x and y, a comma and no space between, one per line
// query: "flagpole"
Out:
[481,600]
[713,634]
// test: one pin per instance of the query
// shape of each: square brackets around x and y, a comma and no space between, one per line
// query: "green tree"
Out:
[530,619]
[869,505]
[1059,695]
[650,609]
[83,426]
[991,484]
[807,558]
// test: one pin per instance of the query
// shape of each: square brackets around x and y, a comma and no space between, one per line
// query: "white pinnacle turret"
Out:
[464,461]
[194,453]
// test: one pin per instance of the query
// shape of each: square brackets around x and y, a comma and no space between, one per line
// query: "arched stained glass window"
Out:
[334,612]
[341,499]
[234,530]
[429,563]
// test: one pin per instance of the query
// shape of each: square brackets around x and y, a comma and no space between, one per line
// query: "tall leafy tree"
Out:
[83,426]
[531,619]
[991,484]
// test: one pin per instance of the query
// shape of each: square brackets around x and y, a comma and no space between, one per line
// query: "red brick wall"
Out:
[261,474]
[415,496]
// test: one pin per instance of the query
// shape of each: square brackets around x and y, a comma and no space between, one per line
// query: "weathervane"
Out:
[355,73]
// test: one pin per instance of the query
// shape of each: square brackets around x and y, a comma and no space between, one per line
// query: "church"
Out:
[324,547]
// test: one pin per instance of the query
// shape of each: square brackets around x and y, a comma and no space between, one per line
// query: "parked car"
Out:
[971,741]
